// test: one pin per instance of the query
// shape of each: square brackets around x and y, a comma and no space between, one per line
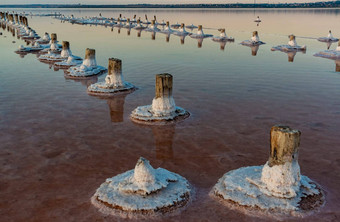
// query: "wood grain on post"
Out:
[66,45]
[90,53]
[199,27]
[255,33]
[168,23]
[152,22]
[292,37]
[53,37]
[16,18]
[115,67]
[182,25]
[284,145]
[163,85]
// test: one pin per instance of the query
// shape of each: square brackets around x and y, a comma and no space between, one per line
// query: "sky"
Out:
[144,1]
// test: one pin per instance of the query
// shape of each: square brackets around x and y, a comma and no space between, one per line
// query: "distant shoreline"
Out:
[328,4]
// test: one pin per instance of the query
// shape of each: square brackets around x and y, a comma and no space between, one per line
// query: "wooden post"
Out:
[65,45]
[167,24]
[89,53]
[163,85]
[292,37]
[16,18]
[182,26]
[200,28]
[53,37]
[284,145]
[153,22]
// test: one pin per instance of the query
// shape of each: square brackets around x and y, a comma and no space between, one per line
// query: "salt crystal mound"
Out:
[223,37]
[162,109]
[70,61]
[88,68]
[245,187]
[144,190]
[109,87]
[35,48]
[288,48]
[326,39]
[329,54]
[251,43]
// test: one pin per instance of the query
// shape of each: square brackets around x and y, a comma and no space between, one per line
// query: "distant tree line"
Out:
[328,4]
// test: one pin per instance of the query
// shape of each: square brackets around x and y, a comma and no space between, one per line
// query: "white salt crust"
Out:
[245,187]
[331,54]
[289,48]
[103,87]
[70,61]
[328,39]
[88,68]
[142,190]
[252,43]
[162,109]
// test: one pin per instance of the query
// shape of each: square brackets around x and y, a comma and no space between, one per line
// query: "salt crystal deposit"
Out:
[114,81]
[222,37]
[330,54]
[142,191]
[329,38]
[200,34]
[88,68]
[163,108]
[255,40]
[292,46]
[276,187]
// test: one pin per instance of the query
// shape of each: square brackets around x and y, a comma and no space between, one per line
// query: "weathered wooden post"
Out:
[114,75]
[281,174]
[163,107]
[90,58]
[65,52]
[16,19]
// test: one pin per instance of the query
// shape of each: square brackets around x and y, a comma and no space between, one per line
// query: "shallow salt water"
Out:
[58,144]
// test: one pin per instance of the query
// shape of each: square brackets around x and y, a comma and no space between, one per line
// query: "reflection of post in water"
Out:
[153,35]
[167,37]
[88,81]
[116,105]
[119,30]
[254,50]
[291,56]
[337,65]
[329,44]
[164,135]
[222,45]
[199,42]
[128,31]
[182,37]
[139,33]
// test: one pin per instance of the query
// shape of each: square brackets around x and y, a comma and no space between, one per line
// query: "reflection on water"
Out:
[85,82]
[234,99]
[116,106]
[163,136]
[337,65]
[291,56]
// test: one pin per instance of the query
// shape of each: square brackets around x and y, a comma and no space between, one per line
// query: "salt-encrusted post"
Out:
[114,75]
[90,58]
[65,45]
[199,28]
[281,174]
[16,19]
[66,52]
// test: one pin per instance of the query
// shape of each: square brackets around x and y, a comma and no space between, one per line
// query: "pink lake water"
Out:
[58,144]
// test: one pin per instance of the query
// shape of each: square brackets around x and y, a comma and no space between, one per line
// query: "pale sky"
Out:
[144,1]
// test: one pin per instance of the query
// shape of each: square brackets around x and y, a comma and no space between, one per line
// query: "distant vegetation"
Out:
[327,4]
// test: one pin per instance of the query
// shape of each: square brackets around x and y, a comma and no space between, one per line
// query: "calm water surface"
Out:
[58,144]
